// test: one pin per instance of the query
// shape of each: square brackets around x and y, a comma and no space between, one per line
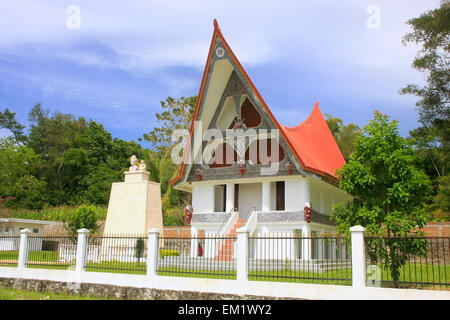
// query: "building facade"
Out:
[244,168]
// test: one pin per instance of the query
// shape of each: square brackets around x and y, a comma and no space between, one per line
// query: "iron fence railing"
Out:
[200,257]
[9,250]
[286,258]
[117,254]
[49,252]
[408,262]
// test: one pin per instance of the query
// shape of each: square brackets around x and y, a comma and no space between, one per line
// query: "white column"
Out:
[358,256]
[194,241]
[242,254]
[265,205]
[152,252]
[82,246]
[306,248]
[230,197]
[23,249]
[305,192]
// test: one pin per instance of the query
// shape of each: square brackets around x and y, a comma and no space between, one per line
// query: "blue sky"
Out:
[127,56]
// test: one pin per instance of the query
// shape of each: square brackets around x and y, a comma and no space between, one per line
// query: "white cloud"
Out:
[147,35]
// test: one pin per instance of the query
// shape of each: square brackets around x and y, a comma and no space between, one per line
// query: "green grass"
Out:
[418,273]
[18,294]
[117,267]
[196,273]
[327,277]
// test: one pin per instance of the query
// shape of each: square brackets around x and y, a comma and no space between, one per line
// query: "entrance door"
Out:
[280,195]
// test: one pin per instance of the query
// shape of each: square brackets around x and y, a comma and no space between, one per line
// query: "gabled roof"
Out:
[311,142]
[314,144]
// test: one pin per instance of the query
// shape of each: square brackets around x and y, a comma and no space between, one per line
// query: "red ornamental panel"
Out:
[257,155]
[250,115]
[224,156]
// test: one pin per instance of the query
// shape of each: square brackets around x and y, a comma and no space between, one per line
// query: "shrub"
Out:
[85,217]
[168,253]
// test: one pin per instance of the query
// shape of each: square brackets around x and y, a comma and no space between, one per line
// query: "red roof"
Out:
[311,141]
[315,145]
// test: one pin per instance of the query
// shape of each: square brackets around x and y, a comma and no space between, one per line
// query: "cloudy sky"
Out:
[121,58]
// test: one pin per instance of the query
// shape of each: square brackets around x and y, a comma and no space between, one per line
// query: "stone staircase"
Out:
[226,246]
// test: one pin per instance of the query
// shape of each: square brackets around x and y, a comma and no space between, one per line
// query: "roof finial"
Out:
[216,25]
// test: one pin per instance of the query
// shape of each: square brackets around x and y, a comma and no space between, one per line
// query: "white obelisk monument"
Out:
[135,204]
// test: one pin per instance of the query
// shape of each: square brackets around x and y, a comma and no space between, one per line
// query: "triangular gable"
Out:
[292,138]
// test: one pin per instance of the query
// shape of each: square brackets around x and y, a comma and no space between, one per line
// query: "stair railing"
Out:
[225,220]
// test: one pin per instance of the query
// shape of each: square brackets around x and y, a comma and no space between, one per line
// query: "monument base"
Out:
[134,205]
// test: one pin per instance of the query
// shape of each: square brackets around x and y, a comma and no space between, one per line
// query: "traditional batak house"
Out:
[237,186]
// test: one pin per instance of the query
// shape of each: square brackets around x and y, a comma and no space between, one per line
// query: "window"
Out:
[35,230]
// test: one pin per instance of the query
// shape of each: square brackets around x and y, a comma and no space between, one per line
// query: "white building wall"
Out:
[203,198]
[250,195]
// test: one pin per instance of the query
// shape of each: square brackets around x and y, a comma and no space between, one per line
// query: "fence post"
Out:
[242,254]
[82,248]
[358,257]
[152,252]
[23,249]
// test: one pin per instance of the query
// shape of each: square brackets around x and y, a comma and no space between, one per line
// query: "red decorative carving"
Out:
[289,168]
[199,174]
[308,211]
[188,212]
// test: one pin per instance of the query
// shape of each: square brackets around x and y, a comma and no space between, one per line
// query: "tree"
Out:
[84,217]
[139,249]
[177,114]
[344,135]
[432,30]
[8,121]
[387,192]
[17,162]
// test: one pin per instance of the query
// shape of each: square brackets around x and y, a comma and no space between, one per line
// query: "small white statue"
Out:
[142,166]
[133,162]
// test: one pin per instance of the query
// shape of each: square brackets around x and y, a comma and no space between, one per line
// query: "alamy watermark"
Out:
[73,21]
[373,22]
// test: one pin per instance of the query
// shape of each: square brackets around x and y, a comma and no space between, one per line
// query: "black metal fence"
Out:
[198,257]
[9,250]
[117,254]
[323,260]
[52,252]
[408,262]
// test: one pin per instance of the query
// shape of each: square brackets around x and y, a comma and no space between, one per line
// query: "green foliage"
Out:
[168,253]
[16,161]
[84,217]
[61,213]
[387,191]
[173,216]
[139,249]
[344,135]
[29,193]
[8,121]
[177,114]
[440,208]
[432,30]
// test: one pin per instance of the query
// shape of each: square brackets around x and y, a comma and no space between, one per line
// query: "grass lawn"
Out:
[327,277]
[193,273]
[417,276]
[18,294]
